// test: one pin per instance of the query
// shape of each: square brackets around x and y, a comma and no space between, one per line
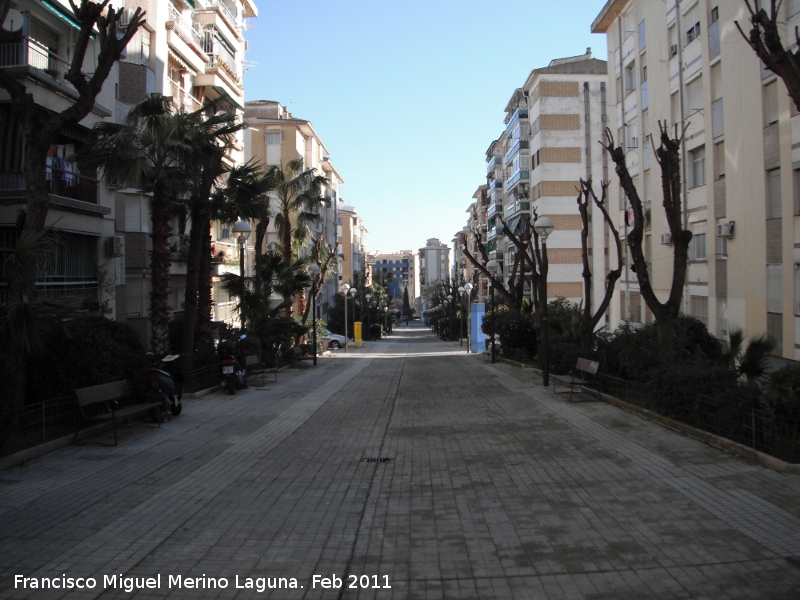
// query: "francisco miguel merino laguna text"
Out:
[129,584]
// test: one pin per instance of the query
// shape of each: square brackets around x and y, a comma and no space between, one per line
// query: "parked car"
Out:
[334,341]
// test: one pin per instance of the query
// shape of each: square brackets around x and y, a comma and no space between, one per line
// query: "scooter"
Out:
[233,368]
[166,382]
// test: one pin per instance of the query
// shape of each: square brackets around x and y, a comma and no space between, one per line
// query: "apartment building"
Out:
[474,235]
[275,137]
[686,63]
[434,265]
[552,126]
[352,246]
[193,51]
[35,45]
[403,266]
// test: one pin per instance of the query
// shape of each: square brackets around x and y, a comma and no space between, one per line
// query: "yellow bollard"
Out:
[357,334]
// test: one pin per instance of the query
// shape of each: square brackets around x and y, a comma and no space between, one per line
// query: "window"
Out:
[770,103]
[697,247]
[719,161]
[697,160]
[632,135]
[675,108]
[630,78]
[673,41]
[796,184]
[774,194]
[722,248]
[774,288]
[694,96]
[797,290]
[273,137]
[715,14]
[693,24]
[698,306]
[644,73]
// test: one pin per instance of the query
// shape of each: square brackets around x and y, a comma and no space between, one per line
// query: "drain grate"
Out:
[380,459]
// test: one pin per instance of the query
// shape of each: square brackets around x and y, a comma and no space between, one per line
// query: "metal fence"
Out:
[45,420]
[517,354]
[202,379]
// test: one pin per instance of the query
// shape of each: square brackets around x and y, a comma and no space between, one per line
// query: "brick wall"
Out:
[564,256]
[560,122]
[560,155]
[560,89]
[564,289]
[774,239]
[132,83]
[560,188]
[566,222]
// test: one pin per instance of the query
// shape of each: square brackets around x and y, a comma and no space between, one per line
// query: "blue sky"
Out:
[407,96]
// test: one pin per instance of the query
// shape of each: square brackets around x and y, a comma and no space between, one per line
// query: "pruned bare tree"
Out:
[508,292]
[96,19]
[669,159]
[589,320]
[765,40]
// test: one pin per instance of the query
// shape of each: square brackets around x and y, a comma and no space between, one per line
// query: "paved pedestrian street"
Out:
[406,469]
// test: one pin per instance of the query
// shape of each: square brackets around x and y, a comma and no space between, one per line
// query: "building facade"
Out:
[552,126]
[274,138]
[352,246]
[403,266]
[434,265]
[686,63]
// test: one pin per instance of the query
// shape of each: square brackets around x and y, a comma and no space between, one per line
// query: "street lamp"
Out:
[242,228]
[313,268]
[492,266]
[450,316]
[344,288]
[353,292]
[468,291]
[386,319]
[544,227]
[461,317]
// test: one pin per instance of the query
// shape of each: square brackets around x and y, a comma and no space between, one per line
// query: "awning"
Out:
[222,92]
[64,13]
[183,64]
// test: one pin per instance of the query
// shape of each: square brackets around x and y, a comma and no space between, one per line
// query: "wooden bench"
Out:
[583,374]
[255,367]
[101,403]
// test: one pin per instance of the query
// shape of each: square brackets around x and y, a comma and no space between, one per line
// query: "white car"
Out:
[334,341]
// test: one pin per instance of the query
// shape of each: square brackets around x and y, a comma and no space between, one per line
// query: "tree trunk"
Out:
[159,272]
[286,244]
[199,216]
[202,335]
[261,233]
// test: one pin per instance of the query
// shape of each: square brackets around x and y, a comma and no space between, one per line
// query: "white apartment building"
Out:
[553,123]
[274,138]
[434,265]
[192,50]
[475,235]
[352,246]
[685,62]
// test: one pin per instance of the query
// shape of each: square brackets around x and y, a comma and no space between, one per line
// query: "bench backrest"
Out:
[251,360]
[102,393]
[587,366]
[297,350]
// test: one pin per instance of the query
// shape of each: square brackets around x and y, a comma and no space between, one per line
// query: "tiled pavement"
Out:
[495,489]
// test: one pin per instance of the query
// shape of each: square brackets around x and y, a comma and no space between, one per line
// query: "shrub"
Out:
[88,352]
[782,394]
[562,356]
[8,398]
[517,331]
[486,322]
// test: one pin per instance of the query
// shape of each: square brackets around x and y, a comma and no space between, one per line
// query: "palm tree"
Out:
[750,362]
[150,151]
[298,194]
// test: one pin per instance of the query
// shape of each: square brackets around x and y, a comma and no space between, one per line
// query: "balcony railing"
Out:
[493,162]
[518,145]
[59,182]
[494,208]
[518,206]
[186,28]
[520,113]
[495,183]
[225,10]
[495,231]
[26,51]
[517,177]
[218,52]
[184,99]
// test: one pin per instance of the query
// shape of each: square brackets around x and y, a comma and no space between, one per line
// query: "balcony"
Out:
[495,231]
[185,41]
[183,99]
[221,69]
[517,177]
[520,113]
[493,209]
[495,184]
[517,207]
[60,182]
[220,17]
[518,145]
[494,162]
[25,57]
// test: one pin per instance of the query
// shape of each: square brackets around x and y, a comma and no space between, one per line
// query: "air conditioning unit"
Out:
[725,230]
[115,246]
[666,239]
[673,50]
[125,18]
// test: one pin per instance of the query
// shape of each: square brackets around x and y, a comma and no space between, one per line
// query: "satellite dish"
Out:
[13,21]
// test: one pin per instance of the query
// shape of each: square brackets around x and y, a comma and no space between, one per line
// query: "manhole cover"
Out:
[381,459]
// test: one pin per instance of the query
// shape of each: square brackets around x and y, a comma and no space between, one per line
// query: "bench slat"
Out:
[587,366]
[102,393]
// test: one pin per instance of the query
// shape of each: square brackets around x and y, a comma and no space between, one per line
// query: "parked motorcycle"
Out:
[233,365]
[166,382]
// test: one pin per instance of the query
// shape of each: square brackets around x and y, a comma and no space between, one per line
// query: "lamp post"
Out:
[468,292]
[544,227]
[450,316]
[386,319]
[345,288]
[353,292]
[242,228]
[314,270]
[461,317]
[492,266]
[368,297]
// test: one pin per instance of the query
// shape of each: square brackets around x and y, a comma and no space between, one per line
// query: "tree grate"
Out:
[380,459]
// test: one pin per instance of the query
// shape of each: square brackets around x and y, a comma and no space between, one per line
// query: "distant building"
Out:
[434,265]
[404,268]
[352,246]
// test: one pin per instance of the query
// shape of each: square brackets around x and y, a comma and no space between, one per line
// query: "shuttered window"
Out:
[774,288]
